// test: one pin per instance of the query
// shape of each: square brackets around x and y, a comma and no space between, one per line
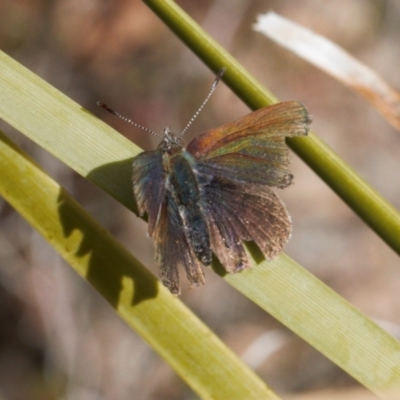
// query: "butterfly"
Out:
[215,194]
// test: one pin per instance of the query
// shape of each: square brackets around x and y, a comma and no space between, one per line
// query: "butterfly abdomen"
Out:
[185,191]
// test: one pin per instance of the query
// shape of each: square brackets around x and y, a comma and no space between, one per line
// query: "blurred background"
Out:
[58,338]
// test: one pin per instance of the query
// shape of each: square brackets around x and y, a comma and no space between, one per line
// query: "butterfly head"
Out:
[170,143]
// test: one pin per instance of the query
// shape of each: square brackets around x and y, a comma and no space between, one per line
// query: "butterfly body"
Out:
[183,188]
[216,194]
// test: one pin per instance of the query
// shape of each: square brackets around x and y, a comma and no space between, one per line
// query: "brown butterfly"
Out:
[216,194]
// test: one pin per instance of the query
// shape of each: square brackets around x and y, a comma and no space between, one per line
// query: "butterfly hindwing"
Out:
[239,212]
[173,249]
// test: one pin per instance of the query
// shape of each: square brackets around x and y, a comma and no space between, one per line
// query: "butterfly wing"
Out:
[236,165]
[173,249]
[253,149]
[165,223]
[239,212]
[149,185]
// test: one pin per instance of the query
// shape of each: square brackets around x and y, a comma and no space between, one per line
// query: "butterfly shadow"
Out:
[110,264]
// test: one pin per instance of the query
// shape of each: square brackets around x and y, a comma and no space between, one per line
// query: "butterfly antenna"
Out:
[129,121]
[214,85]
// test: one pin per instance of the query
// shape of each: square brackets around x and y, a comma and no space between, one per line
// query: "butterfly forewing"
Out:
[253,149]
[148,179]
[243,168]
[270,124]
